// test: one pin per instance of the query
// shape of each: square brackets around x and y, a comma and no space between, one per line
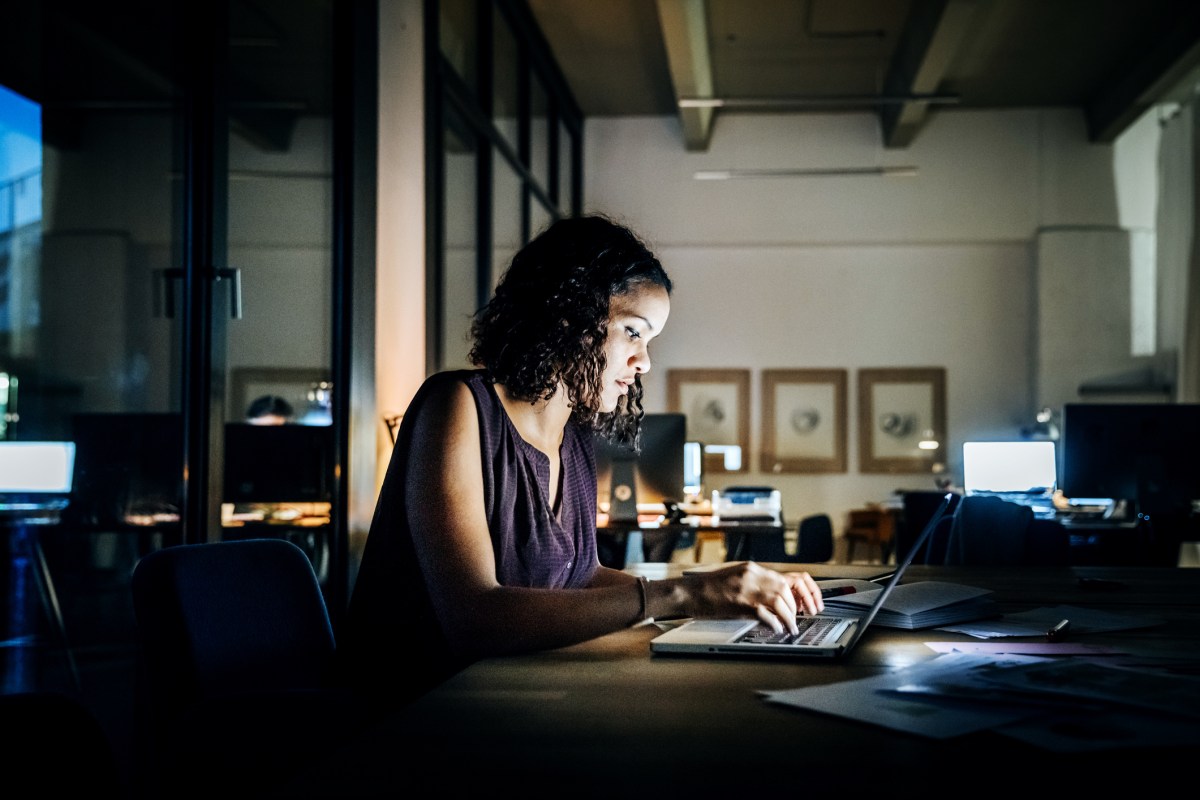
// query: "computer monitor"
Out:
[693,469]
[1026,467]
[630,482]
[128,469]
[1141,452]
[278,463]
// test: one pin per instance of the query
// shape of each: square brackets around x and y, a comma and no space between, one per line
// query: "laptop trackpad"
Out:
[704,631]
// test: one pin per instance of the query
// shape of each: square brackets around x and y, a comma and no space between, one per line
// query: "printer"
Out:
[761,504]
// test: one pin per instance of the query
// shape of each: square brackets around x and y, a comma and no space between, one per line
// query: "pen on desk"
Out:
[1059,631]
[838,591]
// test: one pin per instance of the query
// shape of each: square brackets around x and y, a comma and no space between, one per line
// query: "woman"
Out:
[483,540]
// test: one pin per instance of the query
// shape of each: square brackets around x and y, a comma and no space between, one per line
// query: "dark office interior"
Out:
[195,204]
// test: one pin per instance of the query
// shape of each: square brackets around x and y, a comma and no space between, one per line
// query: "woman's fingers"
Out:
[785,609]
[814,591]
[806,592]
[766,616]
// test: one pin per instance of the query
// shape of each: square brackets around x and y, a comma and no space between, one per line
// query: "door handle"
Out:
[234,276]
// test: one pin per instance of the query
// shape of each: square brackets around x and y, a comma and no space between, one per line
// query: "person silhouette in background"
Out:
[270,409]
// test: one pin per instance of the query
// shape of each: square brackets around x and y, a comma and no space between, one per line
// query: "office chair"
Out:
[236,649]
[814,543]
[872,526]
[764,547]
[815,539]
[990,531]
[919,506]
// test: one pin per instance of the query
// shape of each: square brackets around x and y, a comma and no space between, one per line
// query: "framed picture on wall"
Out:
[901,419]
[803,420]
[717,405]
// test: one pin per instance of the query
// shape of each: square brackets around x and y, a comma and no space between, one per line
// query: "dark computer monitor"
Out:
[278,463]
[128,469]
[628,480]
[1141,452]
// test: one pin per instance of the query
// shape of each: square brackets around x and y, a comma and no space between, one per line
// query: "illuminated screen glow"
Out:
[1028,467]
[36,467]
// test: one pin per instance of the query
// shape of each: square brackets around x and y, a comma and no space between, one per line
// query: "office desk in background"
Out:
[606,718]
[659,539]
[305,525]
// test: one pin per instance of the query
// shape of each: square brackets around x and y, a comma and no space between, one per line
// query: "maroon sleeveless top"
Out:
[535,545]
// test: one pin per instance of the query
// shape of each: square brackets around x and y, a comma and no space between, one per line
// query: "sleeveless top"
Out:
[390,611]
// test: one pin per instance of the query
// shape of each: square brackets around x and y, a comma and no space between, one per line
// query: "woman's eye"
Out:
[632,334]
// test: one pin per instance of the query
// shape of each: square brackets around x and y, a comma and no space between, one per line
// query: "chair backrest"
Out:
[815,544]
[765,547]
[919,506]
[991,531]
[229,617]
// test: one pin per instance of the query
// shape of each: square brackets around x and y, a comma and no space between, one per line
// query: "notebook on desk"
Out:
[821,636]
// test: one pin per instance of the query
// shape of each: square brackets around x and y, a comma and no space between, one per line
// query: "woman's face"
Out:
[634,319]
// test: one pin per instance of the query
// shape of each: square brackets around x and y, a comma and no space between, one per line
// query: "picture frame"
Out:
[717,405]
[290,383]
[803,420]
[901,412]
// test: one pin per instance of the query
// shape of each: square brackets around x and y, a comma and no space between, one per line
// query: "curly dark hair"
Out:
[547,323]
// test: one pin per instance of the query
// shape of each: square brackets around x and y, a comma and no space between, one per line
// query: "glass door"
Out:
[277,422]
[165,259]
[97,203]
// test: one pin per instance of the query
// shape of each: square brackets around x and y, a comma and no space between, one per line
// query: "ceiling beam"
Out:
[932,36]
[685,34]
[1167,73]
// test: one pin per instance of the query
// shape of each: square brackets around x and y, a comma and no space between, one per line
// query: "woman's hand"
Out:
[746,588]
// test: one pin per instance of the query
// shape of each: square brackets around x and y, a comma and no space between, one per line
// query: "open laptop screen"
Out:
[37,473]
[1009,467]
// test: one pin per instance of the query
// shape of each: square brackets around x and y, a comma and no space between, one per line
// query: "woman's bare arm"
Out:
[445,503]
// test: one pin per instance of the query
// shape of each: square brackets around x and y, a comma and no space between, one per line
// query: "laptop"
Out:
[1025,473]
[820,636]
[35,476]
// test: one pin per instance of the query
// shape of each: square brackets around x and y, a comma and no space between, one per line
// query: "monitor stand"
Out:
[622,506]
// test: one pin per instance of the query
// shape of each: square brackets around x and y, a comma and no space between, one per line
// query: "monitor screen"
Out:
[278,463]
[36,468]
[1009,467]
[693,469]
[1142,452]
[657,471]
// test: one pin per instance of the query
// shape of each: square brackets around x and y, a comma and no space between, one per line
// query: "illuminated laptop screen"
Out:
[36,467]
[1009,467]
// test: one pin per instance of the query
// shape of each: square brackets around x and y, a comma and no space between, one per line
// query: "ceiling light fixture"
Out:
[733,174]
[814,101]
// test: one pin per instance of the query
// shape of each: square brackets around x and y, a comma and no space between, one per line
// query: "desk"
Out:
[305,525]
[23,525]
[605,718]
[659,539]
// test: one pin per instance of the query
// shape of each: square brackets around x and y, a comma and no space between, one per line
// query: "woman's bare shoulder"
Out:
[443,399]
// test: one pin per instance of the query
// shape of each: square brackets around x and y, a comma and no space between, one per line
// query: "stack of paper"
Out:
[923,604]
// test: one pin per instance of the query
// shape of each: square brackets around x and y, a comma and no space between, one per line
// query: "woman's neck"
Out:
[542,422]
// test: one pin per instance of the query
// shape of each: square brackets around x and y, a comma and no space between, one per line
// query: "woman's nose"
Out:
[641,359]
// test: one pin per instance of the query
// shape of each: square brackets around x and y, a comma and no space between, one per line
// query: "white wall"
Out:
[940,269]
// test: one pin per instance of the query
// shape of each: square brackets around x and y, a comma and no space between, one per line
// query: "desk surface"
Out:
[606,716]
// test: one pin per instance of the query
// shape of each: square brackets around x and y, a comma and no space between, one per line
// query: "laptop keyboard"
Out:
[811,630]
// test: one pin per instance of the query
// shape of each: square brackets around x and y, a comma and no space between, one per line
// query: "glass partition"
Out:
[505,169]
[460,253]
